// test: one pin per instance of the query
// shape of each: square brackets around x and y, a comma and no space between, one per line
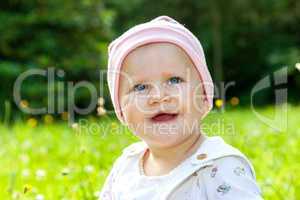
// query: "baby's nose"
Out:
[158,94]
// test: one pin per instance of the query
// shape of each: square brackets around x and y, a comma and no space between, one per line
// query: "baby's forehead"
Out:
[136,77]
[160,53]
[166,47]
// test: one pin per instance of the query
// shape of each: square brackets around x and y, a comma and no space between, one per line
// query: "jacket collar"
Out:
[211,148]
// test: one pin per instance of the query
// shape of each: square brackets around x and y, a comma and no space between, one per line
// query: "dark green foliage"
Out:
[243,40]
[68,35]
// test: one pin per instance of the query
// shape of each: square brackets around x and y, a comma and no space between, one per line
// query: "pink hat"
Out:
[160,29]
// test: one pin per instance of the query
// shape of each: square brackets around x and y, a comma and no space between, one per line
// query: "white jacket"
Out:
[216,171]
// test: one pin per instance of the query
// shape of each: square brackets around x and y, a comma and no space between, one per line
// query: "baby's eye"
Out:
[175,80]
[139,87]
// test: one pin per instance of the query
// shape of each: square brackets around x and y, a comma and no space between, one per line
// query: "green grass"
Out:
[59,162]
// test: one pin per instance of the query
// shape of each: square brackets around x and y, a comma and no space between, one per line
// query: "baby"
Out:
[161,89]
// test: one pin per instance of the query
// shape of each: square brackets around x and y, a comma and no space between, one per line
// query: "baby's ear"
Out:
[205,109]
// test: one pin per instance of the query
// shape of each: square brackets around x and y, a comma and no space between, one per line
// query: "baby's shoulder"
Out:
[128,157]
[134,149]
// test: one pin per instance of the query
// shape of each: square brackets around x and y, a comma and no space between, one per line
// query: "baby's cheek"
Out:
[135,123]
[141,104]
[126,106]
[198,98]
[128,102]
[132,114]
[186,99]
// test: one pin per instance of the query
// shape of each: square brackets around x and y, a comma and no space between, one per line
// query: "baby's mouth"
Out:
[164,117]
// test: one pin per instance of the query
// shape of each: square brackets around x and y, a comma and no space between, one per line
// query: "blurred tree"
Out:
[68,35]
[243,40]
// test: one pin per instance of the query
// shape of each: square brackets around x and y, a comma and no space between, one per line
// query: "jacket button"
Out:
[201,156]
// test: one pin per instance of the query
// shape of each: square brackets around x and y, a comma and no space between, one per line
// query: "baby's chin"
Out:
[163,138]
[165,134]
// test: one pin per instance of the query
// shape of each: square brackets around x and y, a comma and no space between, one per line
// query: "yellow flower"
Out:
[234,101]
[32,122]
[101,101]
[92,118]
[65,116]
[24,104]
[48,119]
[114,125]
[101,111]
[219,103]
[27,188]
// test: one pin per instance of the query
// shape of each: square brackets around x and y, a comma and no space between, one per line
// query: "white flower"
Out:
[82,150]
[65,171]
[43,150]
[75,126]
[16,195]
[24,158]
[256,132]
[26,144]
[40,174]
[89,169]
[297,65]
[268,181]
[102,173]
[101,101]
[25,172]
[101,111]
[39,197]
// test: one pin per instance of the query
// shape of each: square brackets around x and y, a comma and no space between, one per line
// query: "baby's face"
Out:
[160,77]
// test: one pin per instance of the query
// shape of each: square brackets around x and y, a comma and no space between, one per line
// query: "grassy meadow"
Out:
[52,160]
